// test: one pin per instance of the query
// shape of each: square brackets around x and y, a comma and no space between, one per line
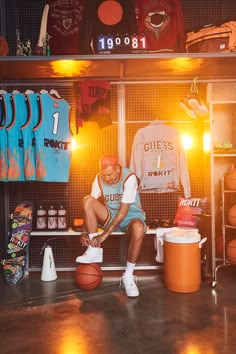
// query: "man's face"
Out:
[110,174]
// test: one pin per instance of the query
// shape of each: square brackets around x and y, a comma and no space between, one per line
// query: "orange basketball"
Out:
[110,12]
[232,215]
[230,180]
[231,251]
[88,276]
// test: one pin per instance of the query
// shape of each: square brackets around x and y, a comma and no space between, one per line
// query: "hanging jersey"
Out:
[95,102]
[104,26]
[53,140]
[5,118]
[15,138]
[158,159]
[113,195]
[162,22]
[63,25]
[28,136]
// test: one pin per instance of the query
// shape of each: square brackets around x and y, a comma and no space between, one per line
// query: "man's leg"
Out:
[94,212]
[136,235]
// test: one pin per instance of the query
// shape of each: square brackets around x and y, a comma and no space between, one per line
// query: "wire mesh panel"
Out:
[160,101]
[144,103]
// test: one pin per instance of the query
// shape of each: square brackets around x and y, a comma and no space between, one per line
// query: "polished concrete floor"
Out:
[58,318]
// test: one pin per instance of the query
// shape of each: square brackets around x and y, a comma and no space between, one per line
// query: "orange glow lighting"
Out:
[187,141]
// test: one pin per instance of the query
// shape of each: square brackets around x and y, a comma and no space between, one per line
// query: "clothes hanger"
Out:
[55,93]
[15,92]
[43,91]
[27,92]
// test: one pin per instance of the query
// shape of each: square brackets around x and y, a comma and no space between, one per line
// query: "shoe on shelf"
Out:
[129,284]
[91,255]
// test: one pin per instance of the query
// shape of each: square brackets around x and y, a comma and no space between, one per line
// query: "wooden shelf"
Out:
[144,67]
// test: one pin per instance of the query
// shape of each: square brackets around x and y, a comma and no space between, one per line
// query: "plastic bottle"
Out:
[62,220]
[41,218]
[52,218]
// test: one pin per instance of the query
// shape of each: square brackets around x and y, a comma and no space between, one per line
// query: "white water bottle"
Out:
[62,222]
[41,218]
[52,218]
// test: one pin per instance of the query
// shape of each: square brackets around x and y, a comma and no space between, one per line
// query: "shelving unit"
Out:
[225,193]
[167,67]
[222,105]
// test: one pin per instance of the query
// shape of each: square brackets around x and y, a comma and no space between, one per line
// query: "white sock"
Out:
[91,236]
[129,269]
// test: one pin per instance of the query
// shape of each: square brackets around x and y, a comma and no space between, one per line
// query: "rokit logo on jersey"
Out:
[57,144]
[113,197]
[160,173]
[158,145]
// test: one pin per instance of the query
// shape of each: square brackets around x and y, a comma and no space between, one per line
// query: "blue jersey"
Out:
[113,195]
[5,115]
[28,136]
[15,138]
[53,140]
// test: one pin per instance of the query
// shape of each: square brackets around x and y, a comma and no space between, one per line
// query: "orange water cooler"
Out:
[182,260]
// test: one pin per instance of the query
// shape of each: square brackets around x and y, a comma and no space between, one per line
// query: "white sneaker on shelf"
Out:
[91,255]
[130,286]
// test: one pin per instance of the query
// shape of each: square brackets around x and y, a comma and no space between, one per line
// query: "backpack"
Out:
[162,23]
[219,39]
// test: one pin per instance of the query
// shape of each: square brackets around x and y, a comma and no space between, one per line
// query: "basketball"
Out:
[232,215]
[88,276]
[231,251]
[230,180]
[110,12]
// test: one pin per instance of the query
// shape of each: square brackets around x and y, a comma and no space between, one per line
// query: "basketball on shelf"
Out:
[230,179]
[88,276]
[232,215]
[231,251]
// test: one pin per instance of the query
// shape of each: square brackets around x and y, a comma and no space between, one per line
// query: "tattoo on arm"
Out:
[121,214]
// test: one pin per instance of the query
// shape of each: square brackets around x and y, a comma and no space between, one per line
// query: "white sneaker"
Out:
[92,255]
[129,285]
[184,104]
[198,107]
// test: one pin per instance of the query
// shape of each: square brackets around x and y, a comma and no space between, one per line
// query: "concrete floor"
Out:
[58,318]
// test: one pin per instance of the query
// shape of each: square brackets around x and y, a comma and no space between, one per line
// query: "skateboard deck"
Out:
[15,264]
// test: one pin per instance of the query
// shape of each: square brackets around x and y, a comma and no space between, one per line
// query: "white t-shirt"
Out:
[130,189]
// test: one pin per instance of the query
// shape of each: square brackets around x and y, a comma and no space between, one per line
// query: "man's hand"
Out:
[85,240]
[98,240]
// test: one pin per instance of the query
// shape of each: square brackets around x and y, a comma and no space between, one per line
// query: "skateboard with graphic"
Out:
[15,264]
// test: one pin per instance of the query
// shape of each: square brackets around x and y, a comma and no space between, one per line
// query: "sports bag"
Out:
[208,39]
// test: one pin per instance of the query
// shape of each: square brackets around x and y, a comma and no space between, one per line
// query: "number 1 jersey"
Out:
[53,140]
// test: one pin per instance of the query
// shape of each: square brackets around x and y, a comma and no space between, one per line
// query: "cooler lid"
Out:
[182,236]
